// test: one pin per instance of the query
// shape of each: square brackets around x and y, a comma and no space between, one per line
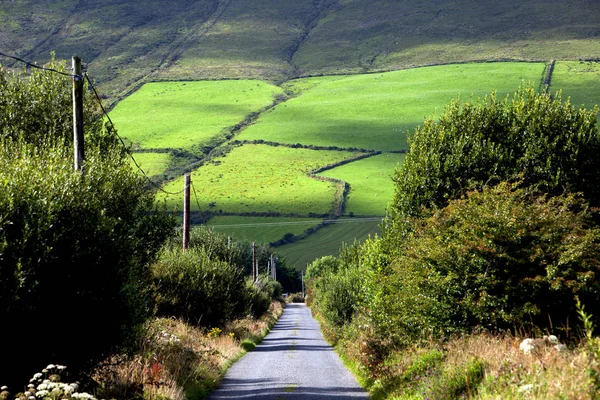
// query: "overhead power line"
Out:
[308,222]
[32,65]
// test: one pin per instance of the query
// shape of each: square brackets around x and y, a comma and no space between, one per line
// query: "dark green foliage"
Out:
[257,300]
[499,258]
[74,248]
[321,267]
[338,289]
[532,137]
[209,283]
[37,108]
[197,286]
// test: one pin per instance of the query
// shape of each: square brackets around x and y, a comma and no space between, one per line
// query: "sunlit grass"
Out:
[370,180]
[374,111]
[260,229]
[328,241]
[579,80]
[152,163]
[261,178]
[188,114]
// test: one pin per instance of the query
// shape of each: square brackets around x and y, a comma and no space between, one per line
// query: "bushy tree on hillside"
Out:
[534,137]
[74,248]
[499,258]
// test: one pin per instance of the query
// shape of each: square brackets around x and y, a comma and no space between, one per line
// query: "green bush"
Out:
[321,267]
[537,138]
[74,248]
[74,251]
[256,299]
[193,286]
[501,257]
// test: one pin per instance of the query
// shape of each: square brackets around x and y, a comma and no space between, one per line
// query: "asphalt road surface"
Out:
[293,362]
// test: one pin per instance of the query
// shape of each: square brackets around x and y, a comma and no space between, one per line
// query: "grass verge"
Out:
[179,361]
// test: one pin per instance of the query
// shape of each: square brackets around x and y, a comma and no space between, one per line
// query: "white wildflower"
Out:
[38,375]
[31,398]
[527,346]
[41,393]
[525,388]
[561,348]
[46,381]
[31,385]
[553,339]
[51,366]
[60,367]
[3,388]
[74,386]
[42,386]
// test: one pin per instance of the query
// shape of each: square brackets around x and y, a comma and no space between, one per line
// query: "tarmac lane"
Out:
[293,362]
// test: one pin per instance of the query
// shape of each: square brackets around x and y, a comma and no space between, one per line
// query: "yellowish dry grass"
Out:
[177,360]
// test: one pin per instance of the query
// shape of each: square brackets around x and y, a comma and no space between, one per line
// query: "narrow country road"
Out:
[293,362]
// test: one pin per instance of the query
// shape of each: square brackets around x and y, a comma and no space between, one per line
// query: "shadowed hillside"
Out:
[127,43]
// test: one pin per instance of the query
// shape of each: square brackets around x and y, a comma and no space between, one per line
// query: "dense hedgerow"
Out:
[499,258]
[209,284]
[494,226]
[532,137]
[196,287]
[75,248]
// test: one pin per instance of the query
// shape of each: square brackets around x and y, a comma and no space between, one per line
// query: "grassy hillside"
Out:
[129,42]
[374,111]
[327,241]
[370,180]
[186,115]
[263,179]
[260,229]
[578,80]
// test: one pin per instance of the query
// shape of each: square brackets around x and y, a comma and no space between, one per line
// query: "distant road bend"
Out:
[293,362]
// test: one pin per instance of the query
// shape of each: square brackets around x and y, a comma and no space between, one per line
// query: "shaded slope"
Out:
[381,34]
[124,41]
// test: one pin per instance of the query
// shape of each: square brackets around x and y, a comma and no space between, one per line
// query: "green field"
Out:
[370,179]
[261,178]
[260,229]
[152,163]
[187,114]
[579,80]
[374,111]
[327,241]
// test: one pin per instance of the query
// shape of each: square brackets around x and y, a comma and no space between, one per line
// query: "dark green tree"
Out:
[75,248]
[532,137]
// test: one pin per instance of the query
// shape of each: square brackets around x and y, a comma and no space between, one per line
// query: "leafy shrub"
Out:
[274,290]
[74,245]
[533,137]
[295,298]
[74,248]
[499,257]
[321,267]
[256,299]
[193,286]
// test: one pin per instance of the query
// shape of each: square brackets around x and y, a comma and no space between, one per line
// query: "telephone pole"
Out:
[78,113]
[186,212]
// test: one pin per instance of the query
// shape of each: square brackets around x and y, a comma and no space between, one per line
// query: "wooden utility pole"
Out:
[78,113]
[186,212]
[273,268]
[254,274]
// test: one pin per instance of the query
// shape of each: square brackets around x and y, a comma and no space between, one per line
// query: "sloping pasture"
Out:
[262,179]
[185,115]
[579,80]
[374,111]
[370,180]
[260,229]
